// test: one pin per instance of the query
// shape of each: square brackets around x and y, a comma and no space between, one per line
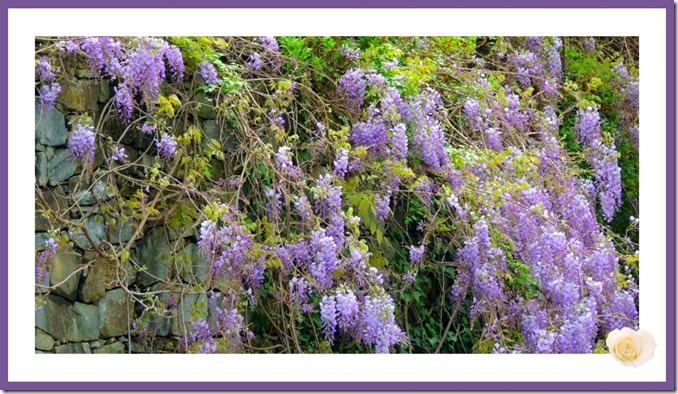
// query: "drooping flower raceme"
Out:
[45,71]
[328,315]
[45,257]
[254,63]
[604,160]
[273,204]
[341,164]
[175,61]
[587,126]
[124,102]
[145,70]
[82,145]
[48,95]
[351,54]
[378,325]
[352,86]
[167,146]
[148,129]
[347,310]
[399,143]
[209,73]
[284,164]
[416,254]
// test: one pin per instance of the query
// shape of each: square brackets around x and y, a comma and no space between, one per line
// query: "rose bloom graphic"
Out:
[631,348]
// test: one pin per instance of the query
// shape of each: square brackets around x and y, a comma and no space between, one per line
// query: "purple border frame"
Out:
[668,385]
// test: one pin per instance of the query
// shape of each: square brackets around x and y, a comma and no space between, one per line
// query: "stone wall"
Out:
[92,303]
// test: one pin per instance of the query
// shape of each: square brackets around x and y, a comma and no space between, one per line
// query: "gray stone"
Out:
[153,323]
[140,347]
[205,106]
[85,73]
[115,313]
[40,239]
[102,276]
[193,267]
[88,194]
[104,90]
[211,129]
[155,254]
[49,151]
[79,95]
[94,345]
[41,169]
[97,232]
[121,232]
[87,320]
[147,160]
[188,306]
[213,310]
[55,202]
[50,127]
[113,348]
[64,264]
[73,348]
[43,341]
[58,319]
[61,167]
[180,232]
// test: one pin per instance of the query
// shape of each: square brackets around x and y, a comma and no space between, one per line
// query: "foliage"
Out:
[368,194]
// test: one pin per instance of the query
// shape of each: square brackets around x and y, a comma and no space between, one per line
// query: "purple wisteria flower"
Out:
[409,278]
[417,254]
[45,71]
[347,308]
[341,164]
[383,202]
[273,204]
[303,208]
[82,145]
[148,129]
[589,45]
[276,118]
[254,63]
[377,80]
[201,335]
[378,323]
[124,102]
[145,69]
[391,65]
[300,292]
[350,54]
[119,155]
[209,73]
[270,44]
[103,54]
[176,62]
[48,95]
[45,257]
[324,262]
[167,146]
[272,51]
[284,164]
[328,315]
[399,143]
[352,87]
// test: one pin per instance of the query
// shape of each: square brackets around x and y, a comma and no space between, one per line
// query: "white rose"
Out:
[631,348]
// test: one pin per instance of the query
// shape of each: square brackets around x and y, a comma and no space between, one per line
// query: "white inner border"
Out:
[25,24]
